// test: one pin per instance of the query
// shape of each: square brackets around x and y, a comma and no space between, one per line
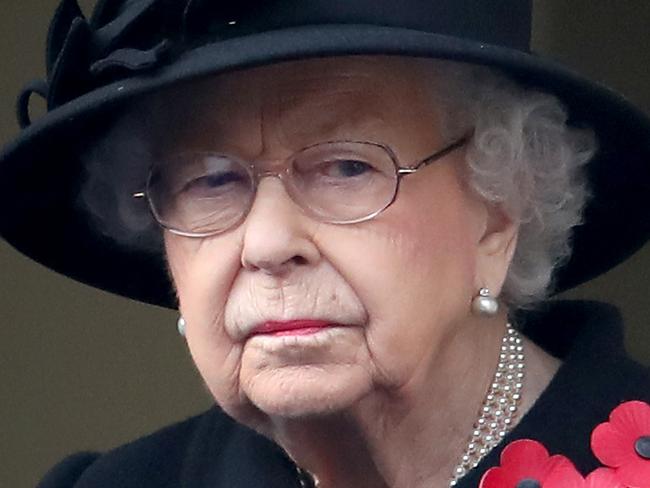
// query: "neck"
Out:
[413,436]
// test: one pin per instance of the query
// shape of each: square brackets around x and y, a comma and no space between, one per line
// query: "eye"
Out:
[214,184]
[347,168]
[215,180]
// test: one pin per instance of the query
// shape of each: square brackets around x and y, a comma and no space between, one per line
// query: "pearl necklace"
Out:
[497,413]
[499,407]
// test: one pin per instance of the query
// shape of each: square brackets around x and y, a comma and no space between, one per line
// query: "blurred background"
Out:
[83,370]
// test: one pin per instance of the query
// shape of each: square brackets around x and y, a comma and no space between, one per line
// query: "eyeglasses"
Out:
[199,194]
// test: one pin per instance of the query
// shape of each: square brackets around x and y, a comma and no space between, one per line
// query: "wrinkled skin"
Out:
[402,283]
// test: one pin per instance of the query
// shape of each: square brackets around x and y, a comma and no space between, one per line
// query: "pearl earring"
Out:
[485,304]
[181,326]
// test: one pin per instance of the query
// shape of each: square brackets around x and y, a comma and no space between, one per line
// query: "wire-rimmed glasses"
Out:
[199,193]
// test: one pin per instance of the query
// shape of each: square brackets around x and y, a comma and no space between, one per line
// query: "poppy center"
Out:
[642,446]
[529,483]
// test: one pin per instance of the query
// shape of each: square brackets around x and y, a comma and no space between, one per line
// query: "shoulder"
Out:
[588,337]
[68,471]
[190,453]
[153,452]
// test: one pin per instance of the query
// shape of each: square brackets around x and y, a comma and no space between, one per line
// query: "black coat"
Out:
[213,451]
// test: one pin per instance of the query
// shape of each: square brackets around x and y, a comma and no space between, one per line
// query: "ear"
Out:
[495,249]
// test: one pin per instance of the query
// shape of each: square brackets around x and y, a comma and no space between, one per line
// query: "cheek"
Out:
[203,271]
[394,261]
[439,225]
[414,272]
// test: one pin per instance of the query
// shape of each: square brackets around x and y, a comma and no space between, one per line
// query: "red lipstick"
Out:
[292,327]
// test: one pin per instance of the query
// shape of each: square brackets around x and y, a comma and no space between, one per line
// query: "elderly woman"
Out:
[362,207]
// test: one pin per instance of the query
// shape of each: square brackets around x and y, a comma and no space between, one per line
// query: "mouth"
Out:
[301,327]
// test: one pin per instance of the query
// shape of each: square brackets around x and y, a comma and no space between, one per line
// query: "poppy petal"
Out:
[526,457]
[497,478]
[603,478]
[635,474]
[612,447]
[563,474]
[632,417]
[520,459]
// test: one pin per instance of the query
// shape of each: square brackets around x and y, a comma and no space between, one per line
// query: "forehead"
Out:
[304,101]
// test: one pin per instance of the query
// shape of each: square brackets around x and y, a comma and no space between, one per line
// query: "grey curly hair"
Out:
[523,157]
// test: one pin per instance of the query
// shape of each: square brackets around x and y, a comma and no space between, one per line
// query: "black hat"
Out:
[131,47]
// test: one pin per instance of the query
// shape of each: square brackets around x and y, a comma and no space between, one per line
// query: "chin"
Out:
[308,390]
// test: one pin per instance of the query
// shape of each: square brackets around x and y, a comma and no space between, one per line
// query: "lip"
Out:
[292,327]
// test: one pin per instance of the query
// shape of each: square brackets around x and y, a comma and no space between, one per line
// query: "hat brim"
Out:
[40,172]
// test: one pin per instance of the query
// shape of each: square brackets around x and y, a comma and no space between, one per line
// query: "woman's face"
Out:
[394,289]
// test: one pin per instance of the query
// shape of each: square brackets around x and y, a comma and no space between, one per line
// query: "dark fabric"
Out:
[68,471]
[209,450]
[128,48]
[212,451]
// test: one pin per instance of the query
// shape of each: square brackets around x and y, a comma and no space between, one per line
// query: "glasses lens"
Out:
[344,181]
[200,193]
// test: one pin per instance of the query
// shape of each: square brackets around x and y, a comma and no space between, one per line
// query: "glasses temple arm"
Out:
[444,152]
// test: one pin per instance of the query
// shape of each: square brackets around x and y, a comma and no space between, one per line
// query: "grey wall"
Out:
[80,369]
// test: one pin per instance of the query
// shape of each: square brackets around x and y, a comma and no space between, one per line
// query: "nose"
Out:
[277,235]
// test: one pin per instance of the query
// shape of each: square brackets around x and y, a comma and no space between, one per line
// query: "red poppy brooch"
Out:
[622,445]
